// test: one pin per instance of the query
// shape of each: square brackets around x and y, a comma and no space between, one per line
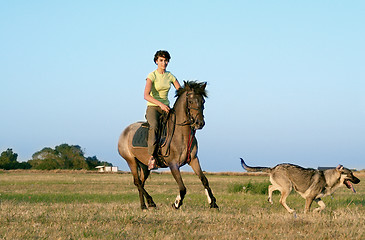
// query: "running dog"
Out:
[311,184]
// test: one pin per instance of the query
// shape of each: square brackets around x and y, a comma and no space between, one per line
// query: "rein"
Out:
[190,143]
[171,130]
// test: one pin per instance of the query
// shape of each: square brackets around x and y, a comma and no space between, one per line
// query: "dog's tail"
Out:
[254,169]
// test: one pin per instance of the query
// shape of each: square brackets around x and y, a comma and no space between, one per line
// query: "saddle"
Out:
[140,139]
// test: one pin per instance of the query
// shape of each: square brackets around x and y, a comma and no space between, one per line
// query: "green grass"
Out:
[48,205]
[250,187]
[68,197]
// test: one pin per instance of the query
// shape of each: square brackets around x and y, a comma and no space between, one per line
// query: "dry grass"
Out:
[82,205]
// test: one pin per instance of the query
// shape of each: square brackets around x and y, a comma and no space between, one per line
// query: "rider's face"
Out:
[162,63]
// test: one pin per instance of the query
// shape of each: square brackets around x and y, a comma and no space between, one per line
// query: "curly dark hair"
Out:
[162,53]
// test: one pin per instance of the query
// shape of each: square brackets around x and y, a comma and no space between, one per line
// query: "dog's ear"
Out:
[339,167]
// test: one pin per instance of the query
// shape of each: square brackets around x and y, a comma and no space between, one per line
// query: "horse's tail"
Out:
[254,169]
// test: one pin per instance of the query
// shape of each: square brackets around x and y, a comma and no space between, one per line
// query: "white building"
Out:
[107,169]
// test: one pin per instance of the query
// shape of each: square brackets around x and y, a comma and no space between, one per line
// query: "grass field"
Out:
[83,205]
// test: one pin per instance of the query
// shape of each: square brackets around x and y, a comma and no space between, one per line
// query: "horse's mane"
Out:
[197,87]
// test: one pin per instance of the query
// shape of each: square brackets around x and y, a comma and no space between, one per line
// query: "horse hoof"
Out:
[152,205]
[174,206]
[214,205]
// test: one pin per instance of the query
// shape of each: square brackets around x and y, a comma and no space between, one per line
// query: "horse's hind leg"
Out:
[177,175]
[194,163]
[139,184]
[144,175]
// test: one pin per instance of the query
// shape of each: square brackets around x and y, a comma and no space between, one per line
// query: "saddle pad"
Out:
[140,137]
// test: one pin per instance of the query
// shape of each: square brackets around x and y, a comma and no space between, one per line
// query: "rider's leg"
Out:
[152,115]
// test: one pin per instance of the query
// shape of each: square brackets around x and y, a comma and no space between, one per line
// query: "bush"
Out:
[64,156]
[250,187]
[8,160]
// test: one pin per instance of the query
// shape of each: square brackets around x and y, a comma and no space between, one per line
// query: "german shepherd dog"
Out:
[311,184]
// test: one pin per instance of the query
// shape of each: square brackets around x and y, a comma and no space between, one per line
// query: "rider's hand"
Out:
[164,107]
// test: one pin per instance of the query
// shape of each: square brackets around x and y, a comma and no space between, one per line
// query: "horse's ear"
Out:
[204,86]
[186,85]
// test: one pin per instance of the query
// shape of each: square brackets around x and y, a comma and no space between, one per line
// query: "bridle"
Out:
[189,121]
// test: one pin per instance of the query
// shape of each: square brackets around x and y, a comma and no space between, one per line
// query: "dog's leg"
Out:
[321,205]
[308,203]
[284,195]
[271,189]
[274,186]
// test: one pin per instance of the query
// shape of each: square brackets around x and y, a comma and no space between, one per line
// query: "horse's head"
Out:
[195,93]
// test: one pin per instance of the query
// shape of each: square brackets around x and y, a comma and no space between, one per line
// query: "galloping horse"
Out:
[181,146]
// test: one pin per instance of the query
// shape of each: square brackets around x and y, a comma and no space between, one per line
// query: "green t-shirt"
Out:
[161,84]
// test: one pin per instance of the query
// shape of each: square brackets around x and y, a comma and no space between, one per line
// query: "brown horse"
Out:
[181,146]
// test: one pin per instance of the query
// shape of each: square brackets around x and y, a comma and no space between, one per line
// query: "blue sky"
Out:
[285,78]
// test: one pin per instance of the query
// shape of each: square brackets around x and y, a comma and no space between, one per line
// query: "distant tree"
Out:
[72,155]
[64,156]
[93,162]
[8,156]
[46,164]
[8,160]
[23,165]
[46,159]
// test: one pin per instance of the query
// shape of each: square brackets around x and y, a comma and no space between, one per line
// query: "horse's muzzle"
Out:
[198,124]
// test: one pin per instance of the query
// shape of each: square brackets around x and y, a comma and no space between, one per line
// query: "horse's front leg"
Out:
[195,165]
[177,175]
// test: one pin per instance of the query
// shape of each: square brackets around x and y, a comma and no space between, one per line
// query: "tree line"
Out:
[63,156]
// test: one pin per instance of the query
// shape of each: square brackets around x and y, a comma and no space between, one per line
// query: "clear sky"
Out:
[286,79]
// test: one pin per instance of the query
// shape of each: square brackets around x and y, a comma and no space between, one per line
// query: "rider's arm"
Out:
[177,85]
